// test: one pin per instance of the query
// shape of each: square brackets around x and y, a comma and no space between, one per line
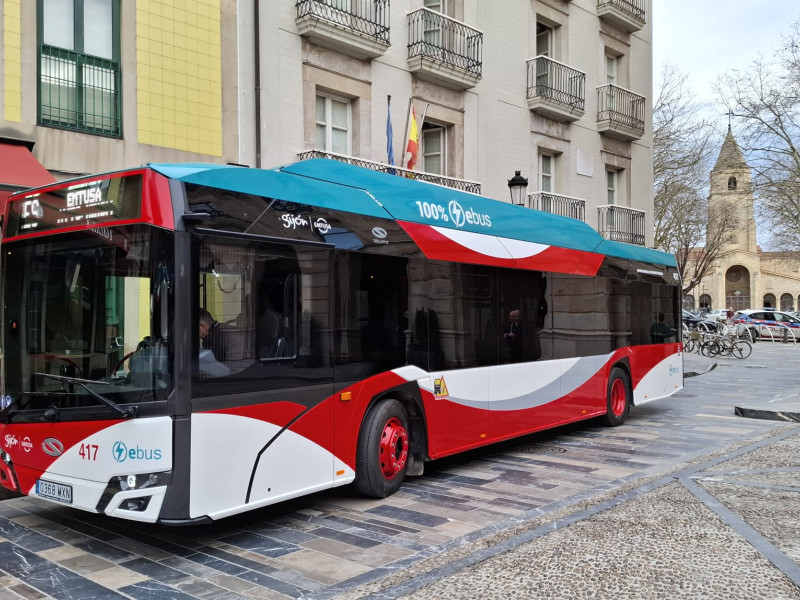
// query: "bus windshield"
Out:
[89,322]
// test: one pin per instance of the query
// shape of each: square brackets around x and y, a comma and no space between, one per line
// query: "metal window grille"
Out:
[621,224]
[451,182]
[79,92]
[558,204]
[433,35]
[618,105]
[635,8]
[556,82]
[370,17]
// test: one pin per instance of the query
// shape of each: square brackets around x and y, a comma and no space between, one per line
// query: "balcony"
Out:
[555,91]
[451,182]
[358,28]
[627,15]
[621,224]
[620,113]
[557,204]
[443,50]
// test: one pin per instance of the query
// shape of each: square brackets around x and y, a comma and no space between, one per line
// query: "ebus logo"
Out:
[454,213]
[460,216]
[121,453]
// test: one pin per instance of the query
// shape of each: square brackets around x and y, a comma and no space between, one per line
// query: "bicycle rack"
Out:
[786,334]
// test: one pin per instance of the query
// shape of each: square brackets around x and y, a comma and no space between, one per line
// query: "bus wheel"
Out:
[618,402]
[382,454]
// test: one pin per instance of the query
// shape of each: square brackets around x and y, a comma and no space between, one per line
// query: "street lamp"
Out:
[516,186]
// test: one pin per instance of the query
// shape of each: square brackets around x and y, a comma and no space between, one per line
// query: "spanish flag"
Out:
[410,157]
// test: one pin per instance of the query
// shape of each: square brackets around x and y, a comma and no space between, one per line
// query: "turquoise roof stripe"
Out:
[405,200]
[400,195]
[275,184]
[337,185]
[633,252]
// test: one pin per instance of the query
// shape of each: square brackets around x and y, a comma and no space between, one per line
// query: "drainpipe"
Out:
[257,67]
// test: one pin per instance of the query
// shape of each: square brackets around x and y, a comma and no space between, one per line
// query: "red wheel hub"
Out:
[618,397]
[393,448]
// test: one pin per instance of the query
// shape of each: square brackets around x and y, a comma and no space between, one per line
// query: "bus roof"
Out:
[336,185]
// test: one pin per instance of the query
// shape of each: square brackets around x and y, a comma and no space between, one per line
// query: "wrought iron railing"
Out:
[635,8]
[575,208]
[451,182]
[621,224]
[550,79]
[435,36]
[370,17]
[79,92]
[620,106]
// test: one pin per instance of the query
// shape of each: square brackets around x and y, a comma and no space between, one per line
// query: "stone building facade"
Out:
[743,276]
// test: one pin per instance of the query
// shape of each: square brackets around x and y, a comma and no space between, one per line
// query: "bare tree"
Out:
[683,148]
[765,100]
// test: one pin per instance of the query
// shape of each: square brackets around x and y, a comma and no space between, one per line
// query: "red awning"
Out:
[19,167]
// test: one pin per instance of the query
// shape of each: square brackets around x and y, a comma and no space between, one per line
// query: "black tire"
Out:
[618,397]
[741,349]
[382,454]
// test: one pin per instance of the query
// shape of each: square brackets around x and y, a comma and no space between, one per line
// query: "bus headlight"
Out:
[126,483]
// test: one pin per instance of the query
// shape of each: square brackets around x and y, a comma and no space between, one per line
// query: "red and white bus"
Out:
[363,324]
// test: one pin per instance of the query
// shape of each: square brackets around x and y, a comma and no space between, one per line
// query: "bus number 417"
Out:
[88,451]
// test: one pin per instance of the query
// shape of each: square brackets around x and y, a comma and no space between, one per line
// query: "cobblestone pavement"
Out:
[686,500]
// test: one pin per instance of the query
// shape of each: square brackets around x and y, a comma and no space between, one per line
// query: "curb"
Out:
[769,415]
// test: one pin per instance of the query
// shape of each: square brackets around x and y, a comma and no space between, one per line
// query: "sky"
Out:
[705,38]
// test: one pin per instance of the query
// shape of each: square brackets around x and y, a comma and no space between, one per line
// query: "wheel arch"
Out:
[624,363]
[409,396]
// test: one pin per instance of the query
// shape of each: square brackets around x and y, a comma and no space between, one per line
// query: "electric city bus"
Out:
[362,324]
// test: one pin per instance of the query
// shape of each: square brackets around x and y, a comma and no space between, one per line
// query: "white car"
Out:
[719,314]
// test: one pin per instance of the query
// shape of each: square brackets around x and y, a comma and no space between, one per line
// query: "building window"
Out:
[433,149]
[79,63]
[333,124]
[440,6]
[787,302]
[544,40]
[611,69]
[611,187]
[546,163]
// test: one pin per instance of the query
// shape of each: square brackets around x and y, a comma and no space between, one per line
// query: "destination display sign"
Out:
[84,204]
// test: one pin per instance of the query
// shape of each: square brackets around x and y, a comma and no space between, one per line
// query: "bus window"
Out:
[370,313]
[264,319]
[96,306]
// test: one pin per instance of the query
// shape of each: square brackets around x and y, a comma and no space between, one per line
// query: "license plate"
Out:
[54,491]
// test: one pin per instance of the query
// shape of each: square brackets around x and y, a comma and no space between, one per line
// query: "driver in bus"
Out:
[211,336]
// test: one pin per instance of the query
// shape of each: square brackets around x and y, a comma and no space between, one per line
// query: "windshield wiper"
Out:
[126,412]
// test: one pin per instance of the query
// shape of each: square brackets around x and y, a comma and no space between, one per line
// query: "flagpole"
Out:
[389,131]
[406,132]
[422,120]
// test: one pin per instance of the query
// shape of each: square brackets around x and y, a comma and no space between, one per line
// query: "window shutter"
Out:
[98,28]
[59,23]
